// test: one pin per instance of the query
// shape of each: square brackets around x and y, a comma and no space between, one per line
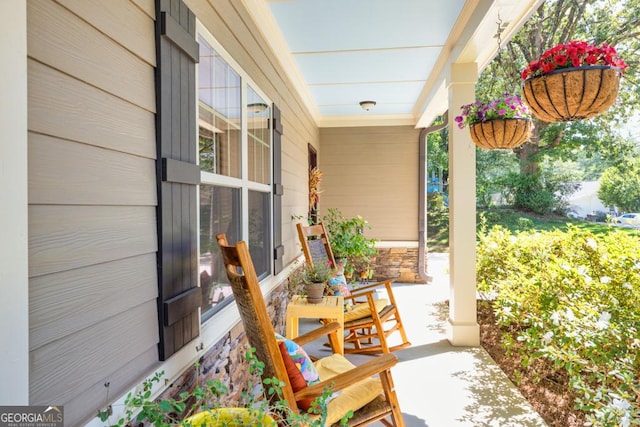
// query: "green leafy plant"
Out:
[571,300]
[207,397]
[348,240]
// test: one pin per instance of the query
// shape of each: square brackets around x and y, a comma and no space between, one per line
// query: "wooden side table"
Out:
[331,308]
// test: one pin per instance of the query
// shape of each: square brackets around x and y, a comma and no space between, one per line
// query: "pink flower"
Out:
[506,107]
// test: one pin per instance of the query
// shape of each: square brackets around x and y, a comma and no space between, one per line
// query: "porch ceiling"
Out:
[394,52]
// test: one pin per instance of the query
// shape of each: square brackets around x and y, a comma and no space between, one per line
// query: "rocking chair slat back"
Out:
[257,324]
[316,250]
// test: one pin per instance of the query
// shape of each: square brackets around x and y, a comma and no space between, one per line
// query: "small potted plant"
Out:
[311,281]
[501,123]
[572,81]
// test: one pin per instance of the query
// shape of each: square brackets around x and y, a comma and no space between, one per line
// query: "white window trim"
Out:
[223,323]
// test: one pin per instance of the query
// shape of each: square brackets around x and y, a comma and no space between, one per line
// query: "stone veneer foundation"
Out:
[397,262]
[225,361]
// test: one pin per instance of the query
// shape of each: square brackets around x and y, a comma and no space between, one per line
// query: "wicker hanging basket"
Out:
[572,93]
[501,133]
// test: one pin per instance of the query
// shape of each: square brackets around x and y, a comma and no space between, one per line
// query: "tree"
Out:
[620,186]
[491,168]
[615,22]
[438,153]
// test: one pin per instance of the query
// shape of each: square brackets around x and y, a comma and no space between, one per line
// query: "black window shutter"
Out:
[278,191]
[177,175]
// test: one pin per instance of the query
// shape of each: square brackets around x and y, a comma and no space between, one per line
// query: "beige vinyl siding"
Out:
[67,237]
[61,40]
[355,159]
[65,107]
[66,172]
[63,376]
[148,6]
[129,23]
[82,405]
[58,309]
[233,28]
[92,201]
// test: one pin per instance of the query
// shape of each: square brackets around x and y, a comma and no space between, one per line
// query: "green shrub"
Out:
[536,193]
[436,202]
[572,298]
[525,223]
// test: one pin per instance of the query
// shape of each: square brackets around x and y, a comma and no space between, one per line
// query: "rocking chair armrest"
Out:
[322,331]
[361,372]
[370,286]
[357,293]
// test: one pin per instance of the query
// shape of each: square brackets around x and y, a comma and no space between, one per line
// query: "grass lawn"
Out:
[438,225]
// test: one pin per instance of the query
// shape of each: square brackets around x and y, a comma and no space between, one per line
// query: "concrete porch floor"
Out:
[439,385]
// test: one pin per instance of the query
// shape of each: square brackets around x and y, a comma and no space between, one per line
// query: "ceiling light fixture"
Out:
[257,107]
[367,105]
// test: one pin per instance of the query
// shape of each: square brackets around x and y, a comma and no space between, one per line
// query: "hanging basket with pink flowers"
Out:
[572,81]
[501,133]
[503,123]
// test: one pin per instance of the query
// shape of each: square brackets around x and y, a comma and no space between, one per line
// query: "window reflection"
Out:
[219,102]
[220,212]
[259,239]
[235,159]
[259,143]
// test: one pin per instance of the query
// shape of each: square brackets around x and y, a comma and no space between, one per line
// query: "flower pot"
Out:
[572,93]
[501,133]
[315,292]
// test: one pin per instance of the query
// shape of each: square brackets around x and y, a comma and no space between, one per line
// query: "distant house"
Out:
[585,200]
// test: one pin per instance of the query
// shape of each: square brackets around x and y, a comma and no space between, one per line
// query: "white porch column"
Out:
[14,281]
[463,324]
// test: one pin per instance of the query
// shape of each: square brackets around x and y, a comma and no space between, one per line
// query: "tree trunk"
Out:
[526,154]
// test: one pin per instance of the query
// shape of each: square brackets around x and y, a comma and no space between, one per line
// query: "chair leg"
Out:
[382,336]
[362,338]
[367,331]
[398,319]
[390,392]
[358,336]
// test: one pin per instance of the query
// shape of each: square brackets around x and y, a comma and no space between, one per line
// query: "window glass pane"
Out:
[259,232]
[240,207]
[220,212]
[259,143]
[219,102]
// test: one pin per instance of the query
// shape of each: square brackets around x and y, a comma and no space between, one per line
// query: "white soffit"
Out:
[340,52]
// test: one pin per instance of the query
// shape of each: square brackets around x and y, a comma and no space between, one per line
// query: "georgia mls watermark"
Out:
[31,416]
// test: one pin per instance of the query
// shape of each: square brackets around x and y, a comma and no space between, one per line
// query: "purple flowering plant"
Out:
[507,107]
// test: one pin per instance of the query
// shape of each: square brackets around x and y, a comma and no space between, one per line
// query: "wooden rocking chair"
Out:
[351,382]
[371,321]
